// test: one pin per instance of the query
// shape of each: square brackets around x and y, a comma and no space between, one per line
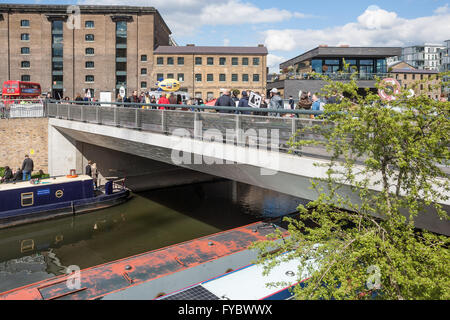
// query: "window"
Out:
[245,61]
[89,37]
[180,61]
[222,61]
[25,64]
[160,61]
[234,61]
[89,78]
[143,70]
[222,77]
[198,77]
[210,61]
[159,76]
[25,77]
[209,96]
[198,61]
[256,78]
[89,24]
[405,76]
[170,60]
[209,77]
[89,51]
[25,50]
[256,61]
[234,77]
[27,199]
[57,66]
[143,84]
[24,23]
[121,66]
[25,37]
[170,76]
[144,58]
[414,77]
[245,77]
[181,77]
[89,64]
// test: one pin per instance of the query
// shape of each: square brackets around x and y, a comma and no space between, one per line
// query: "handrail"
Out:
[133,105]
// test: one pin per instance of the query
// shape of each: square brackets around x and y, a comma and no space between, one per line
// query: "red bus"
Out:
[20,90]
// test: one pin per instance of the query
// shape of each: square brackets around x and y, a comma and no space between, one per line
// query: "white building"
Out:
[444,55]
[425,56]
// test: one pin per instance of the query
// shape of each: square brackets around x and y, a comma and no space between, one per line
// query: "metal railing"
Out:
[22,108]
[252,130]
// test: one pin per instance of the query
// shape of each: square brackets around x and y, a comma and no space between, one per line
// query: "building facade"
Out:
[420,81]
[423,57]
[71,49]
[204,72]
[336,62]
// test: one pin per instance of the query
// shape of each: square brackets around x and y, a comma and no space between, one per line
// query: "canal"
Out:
[148,221]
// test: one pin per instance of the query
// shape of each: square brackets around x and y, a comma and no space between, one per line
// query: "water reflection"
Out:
[149,221]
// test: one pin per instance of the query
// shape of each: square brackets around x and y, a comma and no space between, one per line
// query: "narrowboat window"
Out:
[27,199]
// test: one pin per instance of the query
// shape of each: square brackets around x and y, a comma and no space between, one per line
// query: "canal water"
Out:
[148,221]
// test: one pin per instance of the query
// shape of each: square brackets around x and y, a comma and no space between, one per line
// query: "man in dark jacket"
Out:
[8,175]
[225,101]
[27,168]
[243,103]
[89,169]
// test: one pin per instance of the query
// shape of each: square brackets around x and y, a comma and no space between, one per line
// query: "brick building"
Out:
[204,71]
[68,49]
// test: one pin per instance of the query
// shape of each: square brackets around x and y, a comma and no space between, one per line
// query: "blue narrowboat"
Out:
[31,201]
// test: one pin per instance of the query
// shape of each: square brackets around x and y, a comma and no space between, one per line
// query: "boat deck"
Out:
[43,182]
[141,270]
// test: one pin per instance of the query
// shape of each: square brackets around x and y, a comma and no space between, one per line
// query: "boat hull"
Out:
[17,217]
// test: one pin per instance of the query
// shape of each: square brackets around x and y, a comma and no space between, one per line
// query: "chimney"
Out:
[323,45]
[190,45]
[260,45]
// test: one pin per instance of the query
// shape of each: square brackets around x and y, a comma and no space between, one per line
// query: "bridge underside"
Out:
[73,143]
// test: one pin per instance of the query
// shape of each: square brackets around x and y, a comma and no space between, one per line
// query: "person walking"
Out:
[27,168]
[225,101]
[243,103]
[291,102]
[275,102]
[89,169]
[94,174]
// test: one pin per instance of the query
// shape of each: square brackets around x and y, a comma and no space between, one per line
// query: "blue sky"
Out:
[289,27]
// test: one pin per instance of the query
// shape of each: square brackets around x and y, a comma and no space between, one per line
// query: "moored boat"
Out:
[37,200]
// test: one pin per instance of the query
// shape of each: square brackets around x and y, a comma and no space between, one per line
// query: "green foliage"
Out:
[367,246]
[2,171]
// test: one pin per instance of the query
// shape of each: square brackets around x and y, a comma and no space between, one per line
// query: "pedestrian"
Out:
[27,168]
[243,103]
[89,169]
[291,102]
[18,175]
[163,100]
[235,97]
[7,175]
[304,102]
[78,97]
[225,101]
[94,174]
[275,102]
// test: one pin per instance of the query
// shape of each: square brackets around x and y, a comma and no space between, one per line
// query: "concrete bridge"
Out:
[160,148]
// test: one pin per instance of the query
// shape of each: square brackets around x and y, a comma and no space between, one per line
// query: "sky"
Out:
[289,28]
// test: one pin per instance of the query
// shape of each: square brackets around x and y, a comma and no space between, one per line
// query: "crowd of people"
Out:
[228,98]
[20,174]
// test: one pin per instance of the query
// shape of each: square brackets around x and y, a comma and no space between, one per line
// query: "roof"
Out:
[260,50]
[419,71]
[344,52]
[44,182]
[398,62]
[42,8]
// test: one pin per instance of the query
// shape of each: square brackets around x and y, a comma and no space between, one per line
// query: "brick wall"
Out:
[19,137]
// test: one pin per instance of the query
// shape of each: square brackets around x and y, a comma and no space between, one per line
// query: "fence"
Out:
[22,109]
[252,130]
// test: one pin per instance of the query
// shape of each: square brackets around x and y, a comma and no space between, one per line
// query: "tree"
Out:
[370,248]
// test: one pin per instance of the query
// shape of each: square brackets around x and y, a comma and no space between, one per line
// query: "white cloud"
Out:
[442,10]
[374,27]
[185,17]
[273,62]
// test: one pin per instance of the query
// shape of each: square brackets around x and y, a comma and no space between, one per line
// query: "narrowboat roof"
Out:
[43,182]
